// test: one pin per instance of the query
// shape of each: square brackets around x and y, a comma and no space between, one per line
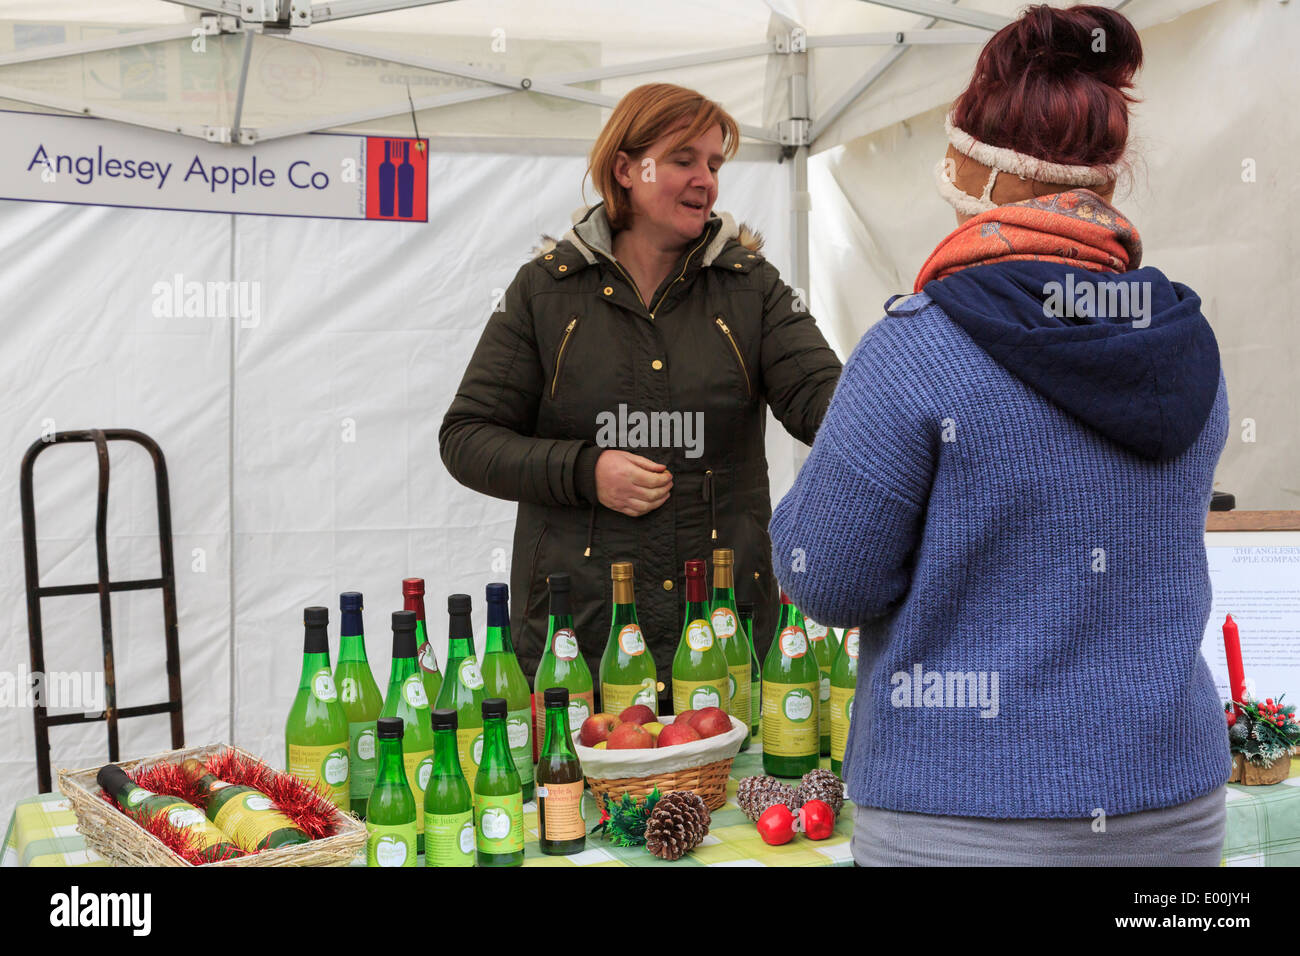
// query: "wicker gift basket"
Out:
[701,765]
[123,842]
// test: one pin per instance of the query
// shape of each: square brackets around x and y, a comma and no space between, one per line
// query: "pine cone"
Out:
[677,824]
[756,794]
[822,785]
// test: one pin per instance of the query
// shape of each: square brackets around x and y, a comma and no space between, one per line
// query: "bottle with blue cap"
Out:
[504,678]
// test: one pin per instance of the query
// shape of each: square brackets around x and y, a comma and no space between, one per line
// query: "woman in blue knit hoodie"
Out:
[1008,494]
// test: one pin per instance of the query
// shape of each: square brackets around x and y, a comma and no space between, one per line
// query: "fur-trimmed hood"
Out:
[590,234]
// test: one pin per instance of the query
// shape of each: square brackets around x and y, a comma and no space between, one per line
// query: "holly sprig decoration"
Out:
[1266,730]
[623,822]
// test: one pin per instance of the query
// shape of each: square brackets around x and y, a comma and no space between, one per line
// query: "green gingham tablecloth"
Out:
[1263,829]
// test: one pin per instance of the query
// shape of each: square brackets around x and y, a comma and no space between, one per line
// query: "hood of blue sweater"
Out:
[1127,353]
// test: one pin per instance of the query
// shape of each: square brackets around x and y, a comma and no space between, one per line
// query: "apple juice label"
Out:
[724,623]
[565,644]
[738,689]
[698,694]
[790,719]
[185,816]
[560,806]
[500,822]
[841,709]
[521,744]
[323,768]
[582,704]
[616,698]
[469,746]
[250,819]
[631,640]
[793,642]
[449,839]
[419,767]
[322,686]
[362,765]
[699,636]
[390,845]
[816,632]
[413,691]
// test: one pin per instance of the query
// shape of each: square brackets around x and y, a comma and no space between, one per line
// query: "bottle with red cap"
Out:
[699,667]
[791,692]
[413,600]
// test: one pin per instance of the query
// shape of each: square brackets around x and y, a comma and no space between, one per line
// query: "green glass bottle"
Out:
[627,668]
[498,795]
[791,684]
[699,669]
[246,815]
[448,802]
[724,618]
[316,731]
[361,700]
[405,699]
[825,654]
[755,672]
[391,838]
[413,600]
[462,690]
[562,663]
[144,805]
[503,677]
[561,830]
[844,683]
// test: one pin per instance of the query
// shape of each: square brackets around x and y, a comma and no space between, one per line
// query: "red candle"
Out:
[1236,672]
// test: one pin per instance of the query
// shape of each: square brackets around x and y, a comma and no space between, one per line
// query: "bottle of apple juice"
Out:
[627,669]
[503,677]
[316,731]
[755,672]
[449,838]
[406,700]
[844,682]
[562,663]
[498,794]
[462,688]
[391,822]
[699,669]
[725,620]
[361,701]
[791,684]
[824,650]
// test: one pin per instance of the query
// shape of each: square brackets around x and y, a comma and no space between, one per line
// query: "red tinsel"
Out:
[313,813]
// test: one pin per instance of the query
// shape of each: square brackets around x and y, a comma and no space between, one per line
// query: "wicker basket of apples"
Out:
[634,752]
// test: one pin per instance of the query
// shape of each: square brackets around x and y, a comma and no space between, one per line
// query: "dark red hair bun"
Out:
[1054,84]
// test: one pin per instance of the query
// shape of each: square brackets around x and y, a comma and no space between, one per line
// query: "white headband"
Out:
[1000,159]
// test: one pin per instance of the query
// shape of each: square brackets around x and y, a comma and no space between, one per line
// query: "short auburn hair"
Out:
[641,117]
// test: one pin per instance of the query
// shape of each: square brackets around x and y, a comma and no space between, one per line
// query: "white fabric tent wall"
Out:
[366,326]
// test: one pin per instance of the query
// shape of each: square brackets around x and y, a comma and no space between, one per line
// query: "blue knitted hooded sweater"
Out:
[1012,507]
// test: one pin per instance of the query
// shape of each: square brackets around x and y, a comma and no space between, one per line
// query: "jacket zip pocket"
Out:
[749,390]
[559,356]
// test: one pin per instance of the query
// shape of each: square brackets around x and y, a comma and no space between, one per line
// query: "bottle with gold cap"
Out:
[627,669]
[699,669]
[725,619]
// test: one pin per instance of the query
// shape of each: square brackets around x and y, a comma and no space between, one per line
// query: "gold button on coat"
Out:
[609,290]
[656,365]
[564,268]
[668,585]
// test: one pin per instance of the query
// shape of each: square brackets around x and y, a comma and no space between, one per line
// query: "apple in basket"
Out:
[637,714]
[596,728]
[677,733]
[710,722]
[630,737]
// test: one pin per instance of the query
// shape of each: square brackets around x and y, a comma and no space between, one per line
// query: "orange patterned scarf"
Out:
[1077,228]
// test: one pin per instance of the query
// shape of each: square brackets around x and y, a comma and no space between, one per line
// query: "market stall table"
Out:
[1263,829]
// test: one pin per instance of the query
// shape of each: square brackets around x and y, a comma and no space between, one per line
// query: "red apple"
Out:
[596,728]
[676,733]
[684,718]
[629,737]
[710,722]
[638,714]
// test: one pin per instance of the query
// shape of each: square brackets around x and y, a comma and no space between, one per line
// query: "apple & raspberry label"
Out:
[565,644]
[841,709]
[616,698]
[723,622]
[632,640]
[418,765]
[851,639]
[390,844]
[560,806]
[794,643]
[325,769]
[449,839]
[500,822]
[815,631]
[790,726]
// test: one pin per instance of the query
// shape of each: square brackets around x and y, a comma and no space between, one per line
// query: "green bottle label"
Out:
[323,768]
[419,768]
[449,839]
[500,822]
[391,844]
[698,694]
[616,698]
[322,686]
[363,765]
[469,674]
[413,692]
[841,711]
[518,725]
[790,727]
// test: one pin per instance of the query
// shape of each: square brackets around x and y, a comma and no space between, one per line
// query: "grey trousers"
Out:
[1190,834]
